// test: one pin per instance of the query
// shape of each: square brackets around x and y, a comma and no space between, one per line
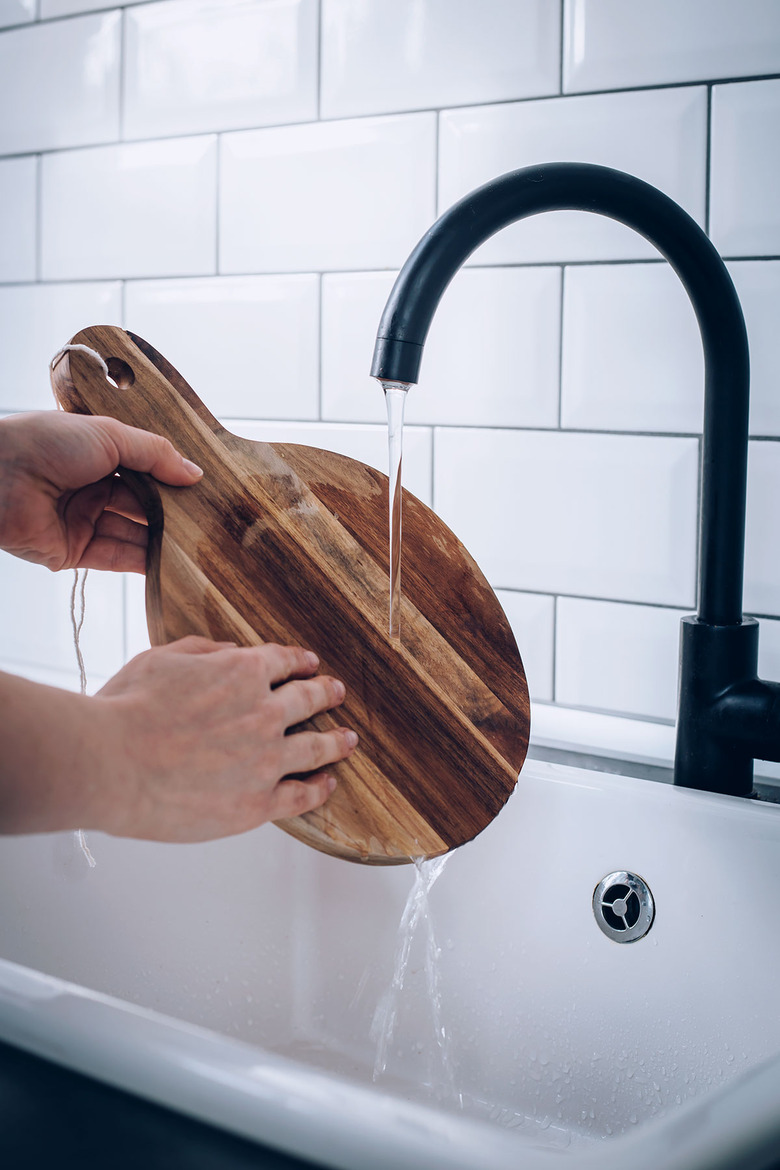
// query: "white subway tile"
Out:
[37,629]
[18,201]
[62,82]
[659,136]
[51,8]
[492,354]
[532,616]
[367,444]
[491,358]
[16,12]
[762,546]
[200,65]
[352,194]
[616,657]
[36,320]
[553,512]
[394,55]
[769,650]
[745,169]
[610,44]
[632,354]
[758,284]
[141,209]
[352,304]
[248,345]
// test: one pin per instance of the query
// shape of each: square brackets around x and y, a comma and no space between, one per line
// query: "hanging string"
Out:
[79,585]
[77,593]
[79,349]
[77,621]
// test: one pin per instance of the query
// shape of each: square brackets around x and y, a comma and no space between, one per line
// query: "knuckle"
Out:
[313,750]
[301,799]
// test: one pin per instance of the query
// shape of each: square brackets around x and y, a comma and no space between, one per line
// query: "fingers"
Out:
[113,557]
[112,526]
[300,700]
[309,751]
[124,501]
[118,545]
[284,662]
[142,451]
[292,798]
[306,751]
[195,644]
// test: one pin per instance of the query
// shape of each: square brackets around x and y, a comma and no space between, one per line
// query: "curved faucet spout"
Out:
[581,186]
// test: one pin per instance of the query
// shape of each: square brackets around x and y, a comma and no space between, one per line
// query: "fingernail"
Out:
[330,782]
[340,689]
[312,660]
[192,467]
[351,737]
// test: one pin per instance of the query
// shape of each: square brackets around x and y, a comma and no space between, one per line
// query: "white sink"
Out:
[238,981]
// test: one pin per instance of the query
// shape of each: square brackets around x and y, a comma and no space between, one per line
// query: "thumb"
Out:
[139,450]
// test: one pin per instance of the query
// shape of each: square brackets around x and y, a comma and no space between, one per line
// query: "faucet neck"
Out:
[582,186]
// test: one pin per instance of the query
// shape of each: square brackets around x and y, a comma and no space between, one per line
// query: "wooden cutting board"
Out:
[289,544]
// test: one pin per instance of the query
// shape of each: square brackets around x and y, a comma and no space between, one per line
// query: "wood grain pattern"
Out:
[287,543]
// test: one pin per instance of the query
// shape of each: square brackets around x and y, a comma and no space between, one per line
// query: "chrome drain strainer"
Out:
[623,906]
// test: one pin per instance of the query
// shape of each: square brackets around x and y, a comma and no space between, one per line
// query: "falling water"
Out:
[395,397]
[416,914]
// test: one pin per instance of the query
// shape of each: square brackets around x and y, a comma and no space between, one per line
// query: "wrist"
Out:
[55,772]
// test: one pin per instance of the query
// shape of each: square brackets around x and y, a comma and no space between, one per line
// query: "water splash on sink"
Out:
[416,916]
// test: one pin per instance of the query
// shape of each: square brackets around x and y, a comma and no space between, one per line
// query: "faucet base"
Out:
[718,665]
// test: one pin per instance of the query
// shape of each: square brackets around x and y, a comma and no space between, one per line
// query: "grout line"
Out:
[699,521]
[399,113]
[319,60]
[218,207]
[437,164]
[553,678]
[561,46]
[433,466]
[559,596]
[708,161]
[519,430]
[62,18]
[320,347]
[434,493]
[514,429]
[560,350]
[122,46]
[615,712]
[392,270]
[38,217]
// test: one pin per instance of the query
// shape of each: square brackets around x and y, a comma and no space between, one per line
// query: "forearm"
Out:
[52,776]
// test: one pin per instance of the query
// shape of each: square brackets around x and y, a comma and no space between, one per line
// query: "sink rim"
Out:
[263,1096]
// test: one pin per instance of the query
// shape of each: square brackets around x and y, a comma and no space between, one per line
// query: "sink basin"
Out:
[239,980]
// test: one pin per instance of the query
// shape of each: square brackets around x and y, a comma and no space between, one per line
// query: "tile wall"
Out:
[240,180]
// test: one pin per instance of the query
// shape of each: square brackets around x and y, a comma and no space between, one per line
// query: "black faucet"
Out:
[727,716]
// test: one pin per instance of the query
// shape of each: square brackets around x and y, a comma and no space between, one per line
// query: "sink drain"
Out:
[623,906]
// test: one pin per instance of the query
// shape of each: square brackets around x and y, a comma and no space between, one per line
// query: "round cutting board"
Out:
[289,544]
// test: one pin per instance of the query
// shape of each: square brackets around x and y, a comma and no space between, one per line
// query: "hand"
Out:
[61,504]
[199,740]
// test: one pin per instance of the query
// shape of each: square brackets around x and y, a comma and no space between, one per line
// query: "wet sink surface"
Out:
[558,1037]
